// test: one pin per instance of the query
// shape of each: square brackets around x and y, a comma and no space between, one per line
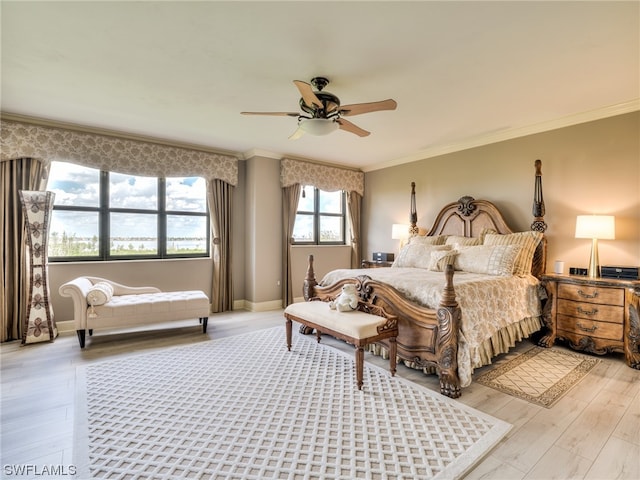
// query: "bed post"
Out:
[309,281]
[413,213]
[448,326]
[538,225]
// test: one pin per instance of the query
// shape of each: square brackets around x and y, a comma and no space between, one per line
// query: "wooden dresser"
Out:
[594,315]
[375,264]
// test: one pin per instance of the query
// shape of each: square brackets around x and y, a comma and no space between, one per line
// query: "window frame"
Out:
[104,211]
[317,214]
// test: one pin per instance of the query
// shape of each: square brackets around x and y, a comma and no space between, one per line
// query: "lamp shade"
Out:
[318,126]
[399,231]
[596,226]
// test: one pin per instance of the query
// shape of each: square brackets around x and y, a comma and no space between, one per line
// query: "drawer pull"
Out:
[590,312]
[587,329]
[586,295]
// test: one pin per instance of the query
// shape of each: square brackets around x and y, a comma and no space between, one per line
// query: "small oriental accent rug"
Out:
[539,375]
[244,407]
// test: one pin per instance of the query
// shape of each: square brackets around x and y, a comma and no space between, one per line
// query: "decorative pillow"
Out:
[99,294]
[487,259]
[528,241]
[456,239]
[417,255]
[437,240]
[439,259]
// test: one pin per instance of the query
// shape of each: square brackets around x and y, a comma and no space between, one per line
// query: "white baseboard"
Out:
[257,307]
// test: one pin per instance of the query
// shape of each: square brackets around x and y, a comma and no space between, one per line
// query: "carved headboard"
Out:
[468,217]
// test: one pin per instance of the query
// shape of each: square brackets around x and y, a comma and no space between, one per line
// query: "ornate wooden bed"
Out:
[428,337]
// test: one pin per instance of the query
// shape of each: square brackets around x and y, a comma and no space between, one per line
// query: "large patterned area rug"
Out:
[539,375]
[244,407]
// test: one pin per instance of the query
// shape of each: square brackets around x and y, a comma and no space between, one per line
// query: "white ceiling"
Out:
[463,73]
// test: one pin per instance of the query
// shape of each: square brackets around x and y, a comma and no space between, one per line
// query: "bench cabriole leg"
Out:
[393,351]
[359,365]
[288,327]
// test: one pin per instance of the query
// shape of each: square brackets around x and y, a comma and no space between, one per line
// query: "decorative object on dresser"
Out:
[499,264]
[595,227]
[593,315]
[383,257]
[39,325]
[625,273]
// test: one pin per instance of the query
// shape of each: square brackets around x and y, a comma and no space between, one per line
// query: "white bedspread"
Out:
[488,303]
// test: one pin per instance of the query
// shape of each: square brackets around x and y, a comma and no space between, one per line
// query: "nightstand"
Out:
[375,264]
[596,315]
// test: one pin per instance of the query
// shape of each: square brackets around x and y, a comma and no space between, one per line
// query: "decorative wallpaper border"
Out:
[323,177]
[123,155]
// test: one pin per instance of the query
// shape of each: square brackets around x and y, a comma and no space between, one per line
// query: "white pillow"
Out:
[487,259]
[99,294]
[417,255]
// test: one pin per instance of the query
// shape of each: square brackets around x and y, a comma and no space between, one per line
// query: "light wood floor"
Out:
[591,433]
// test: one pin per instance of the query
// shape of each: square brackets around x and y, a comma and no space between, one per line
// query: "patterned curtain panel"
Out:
[323,177]
[112,153]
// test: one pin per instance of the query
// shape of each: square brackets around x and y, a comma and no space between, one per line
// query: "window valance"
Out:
[323,177]
[135,157]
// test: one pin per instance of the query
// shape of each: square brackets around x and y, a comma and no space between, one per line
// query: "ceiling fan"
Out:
[322,112]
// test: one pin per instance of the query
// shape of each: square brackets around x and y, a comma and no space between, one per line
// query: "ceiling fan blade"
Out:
[306,90]
[297,134]
[350,127]
[359,108]
[279,114]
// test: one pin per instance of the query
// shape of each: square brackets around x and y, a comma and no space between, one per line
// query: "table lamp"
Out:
[595,227]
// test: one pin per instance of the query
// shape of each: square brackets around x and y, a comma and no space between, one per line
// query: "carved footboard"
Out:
[426,337]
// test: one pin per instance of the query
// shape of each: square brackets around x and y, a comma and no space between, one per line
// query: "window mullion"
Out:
[162,217]
[104,232]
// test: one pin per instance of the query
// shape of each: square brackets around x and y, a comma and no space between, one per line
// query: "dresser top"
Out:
[597,282]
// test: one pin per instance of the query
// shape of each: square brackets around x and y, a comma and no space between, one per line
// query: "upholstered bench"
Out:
[99,304]
[368,324]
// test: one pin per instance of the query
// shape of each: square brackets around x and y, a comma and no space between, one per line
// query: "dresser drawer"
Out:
[582,326]
[591,311]
[586,293]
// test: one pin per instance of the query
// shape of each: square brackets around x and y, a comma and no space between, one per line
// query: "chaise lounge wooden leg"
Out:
[204,321]
[81,337]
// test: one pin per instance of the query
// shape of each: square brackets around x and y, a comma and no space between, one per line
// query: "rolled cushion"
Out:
[99,294]
[441,258]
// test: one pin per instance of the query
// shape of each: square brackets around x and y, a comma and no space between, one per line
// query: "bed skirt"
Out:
[503,340]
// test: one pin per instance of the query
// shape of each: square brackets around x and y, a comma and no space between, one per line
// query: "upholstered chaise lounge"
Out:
[99,303]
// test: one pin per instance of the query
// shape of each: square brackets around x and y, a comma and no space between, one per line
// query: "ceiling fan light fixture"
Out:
[318,126]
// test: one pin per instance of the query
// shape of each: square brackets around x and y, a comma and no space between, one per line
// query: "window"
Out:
[100,215]
[320,219]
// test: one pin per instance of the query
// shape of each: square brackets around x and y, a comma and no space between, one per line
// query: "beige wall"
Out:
[588,168]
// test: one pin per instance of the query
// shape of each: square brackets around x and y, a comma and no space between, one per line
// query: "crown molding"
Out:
[511,133]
